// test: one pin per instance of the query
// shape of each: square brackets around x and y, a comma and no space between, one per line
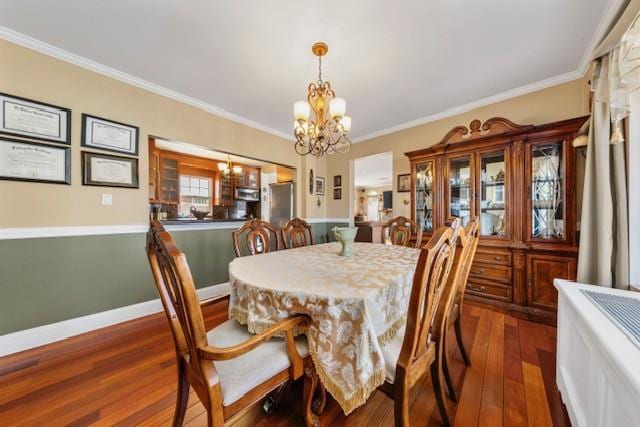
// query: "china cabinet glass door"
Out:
[424,196]
[493,194]
[547,174]
[460,188]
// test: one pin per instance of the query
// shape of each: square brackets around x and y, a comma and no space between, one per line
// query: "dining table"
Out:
[356,304]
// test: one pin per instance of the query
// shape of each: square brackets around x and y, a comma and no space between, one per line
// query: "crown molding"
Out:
[613,8]
[88,64]
[523,90]
[605,23]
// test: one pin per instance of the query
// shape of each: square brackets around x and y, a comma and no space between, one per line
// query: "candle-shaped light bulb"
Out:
[337,107]
[301,110]
[345,121]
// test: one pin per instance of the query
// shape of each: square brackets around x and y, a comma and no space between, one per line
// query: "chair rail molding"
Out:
[96,230]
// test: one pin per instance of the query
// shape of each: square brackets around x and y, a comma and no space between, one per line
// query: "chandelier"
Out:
[227,169]
[326,133]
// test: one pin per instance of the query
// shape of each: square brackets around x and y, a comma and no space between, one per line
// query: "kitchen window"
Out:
[195,191]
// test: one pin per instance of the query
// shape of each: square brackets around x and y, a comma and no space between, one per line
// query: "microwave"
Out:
[247,194]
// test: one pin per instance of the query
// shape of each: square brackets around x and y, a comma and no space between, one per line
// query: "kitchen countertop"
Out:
[180,221]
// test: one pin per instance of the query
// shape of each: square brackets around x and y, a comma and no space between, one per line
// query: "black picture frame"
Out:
[319,186]
[50,108]
[67,162]
[337,180]
[312,182]
[337,193]
[404,183]
[85,143]
[86,170]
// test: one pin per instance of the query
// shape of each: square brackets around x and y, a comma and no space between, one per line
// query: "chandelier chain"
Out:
[320,69]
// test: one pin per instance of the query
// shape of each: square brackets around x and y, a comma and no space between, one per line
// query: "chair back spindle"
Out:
[429,282]
[297,233]
[259,237]
[178,295]
[401,230]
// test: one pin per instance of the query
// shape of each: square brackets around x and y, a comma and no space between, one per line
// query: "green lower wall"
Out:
[47,280]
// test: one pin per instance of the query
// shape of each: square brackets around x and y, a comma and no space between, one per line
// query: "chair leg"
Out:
[321,401]
[463,351]
[401,407]
[447,376]
[182,398]
[311,382]
[437,390]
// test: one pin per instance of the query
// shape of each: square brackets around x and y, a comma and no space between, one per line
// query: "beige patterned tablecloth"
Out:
[356,305]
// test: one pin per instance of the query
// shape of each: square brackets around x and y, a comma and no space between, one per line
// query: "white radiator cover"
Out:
[597,367]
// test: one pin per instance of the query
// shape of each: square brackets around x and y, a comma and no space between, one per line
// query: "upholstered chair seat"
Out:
[245,372]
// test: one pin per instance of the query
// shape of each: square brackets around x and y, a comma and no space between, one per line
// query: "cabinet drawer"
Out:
[486,290]
[498,273]
[502,258]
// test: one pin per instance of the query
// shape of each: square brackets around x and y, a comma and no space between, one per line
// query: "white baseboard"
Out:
[46,334]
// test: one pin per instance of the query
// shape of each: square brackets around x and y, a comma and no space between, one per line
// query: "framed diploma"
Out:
[29,161]
[108,135]
[109,171]
[36,120]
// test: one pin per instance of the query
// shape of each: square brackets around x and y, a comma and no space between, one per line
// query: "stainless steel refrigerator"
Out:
[281,203]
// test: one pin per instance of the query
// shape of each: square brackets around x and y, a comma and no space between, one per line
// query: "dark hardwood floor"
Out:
[125,375]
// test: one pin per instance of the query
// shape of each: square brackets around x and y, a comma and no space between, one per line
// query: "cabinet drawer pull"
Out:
[498,257]
[479,271]
[480,289]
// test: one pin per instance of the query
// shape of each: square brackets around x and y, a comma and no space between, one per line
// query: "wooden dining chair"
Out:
[228,368]
[259,237]
[418,347]
[467,244]
[401,230]
[295,233]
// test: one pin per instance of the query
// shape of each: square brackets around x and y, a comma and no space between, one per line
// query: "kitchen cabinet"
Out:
[169,178]
[248,178]
[154,172]
[519,181]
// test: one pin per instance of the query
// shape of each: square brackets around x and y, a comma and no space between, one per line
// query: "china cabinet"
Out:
[519,181]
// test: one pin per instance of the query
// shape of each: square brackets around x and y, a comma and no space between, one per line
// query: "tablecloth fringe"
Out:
[356,399]
[258,326]
[348,404]
[391,332]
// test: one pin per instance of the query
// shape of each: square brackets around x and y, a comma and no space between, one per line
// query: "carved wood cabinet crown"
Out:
[520,182]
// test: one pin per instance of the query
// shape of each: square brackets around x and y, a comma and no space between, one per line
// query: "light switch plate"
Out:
[107,199]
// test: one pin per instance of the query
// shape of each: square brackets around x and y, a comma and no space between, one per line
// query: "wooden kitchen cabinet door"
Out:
[541,271]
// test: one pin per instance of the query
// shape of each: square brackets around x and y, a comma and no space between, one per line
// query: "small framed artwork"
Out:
[337,193]
[404,183]
[108,135]
[319,186]
[337,181]
[109,171]
[312,183]
[36,120]
[29,161]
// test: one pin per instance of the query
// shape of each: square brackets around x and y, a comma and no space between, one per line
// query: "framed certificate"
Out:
[36,120]
[109,171]
[29,161]
[108,135]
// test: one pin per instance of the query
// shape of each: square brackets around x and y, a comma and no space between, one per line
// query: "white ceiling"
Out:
[374,171]
[396,63]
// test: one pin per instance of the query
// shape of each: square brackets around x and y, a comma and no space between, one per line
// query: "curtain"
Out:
[604,246]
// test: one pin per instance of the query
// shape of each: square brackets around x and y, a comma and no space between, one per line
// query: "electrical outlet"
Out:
[107,199]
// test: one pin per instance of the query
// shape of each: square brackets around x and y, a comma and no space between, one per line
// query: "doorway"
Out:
[371,197]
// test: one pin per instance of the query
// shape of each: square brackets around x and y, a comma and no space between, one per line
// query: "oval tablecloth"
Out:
[356,304]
